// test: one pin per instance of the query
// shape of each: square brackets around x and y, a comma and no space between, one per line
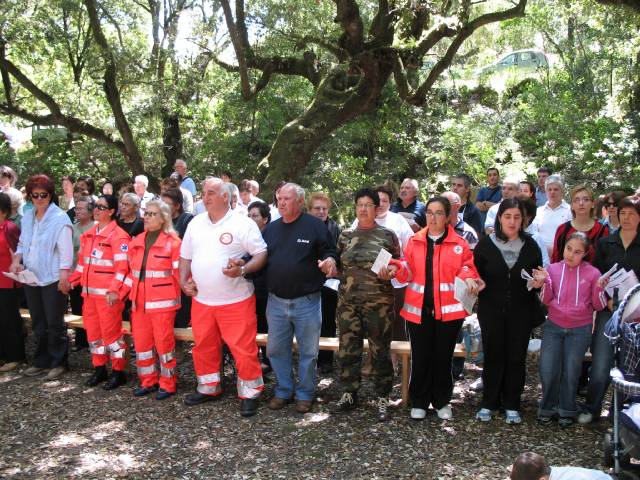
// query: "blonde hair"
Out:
[318,196]
[165,213]
[583,188]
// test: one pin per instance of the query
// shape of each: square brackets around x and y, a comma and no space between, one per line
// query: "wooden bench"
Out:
[402,349]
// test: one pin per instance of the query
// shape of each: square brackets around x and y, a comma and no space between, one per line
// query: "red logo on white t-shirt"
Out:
[226,238]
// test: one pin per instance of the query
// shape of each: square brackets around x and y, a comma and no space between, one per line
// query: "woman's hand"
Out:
[388,272]
[539,277]
[604,281]
[112,298]
[16,266]
[472,286]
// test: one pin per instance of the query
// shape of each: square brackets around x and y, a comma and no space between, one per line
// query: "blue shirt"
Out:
[189,184]
[541,197]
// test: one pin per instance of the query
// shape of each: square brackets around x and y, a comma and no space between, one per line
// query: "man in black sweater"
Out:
[301,254]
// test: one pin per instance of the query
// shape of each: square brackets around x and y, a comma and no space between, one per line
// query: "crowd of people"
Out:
[229,264]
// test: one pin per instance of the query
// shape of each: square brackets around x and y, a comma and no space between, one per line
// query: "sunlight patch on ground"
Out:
[68,440]
[93,462]
[311,418]
[325,383]
[107,429]
[203,445]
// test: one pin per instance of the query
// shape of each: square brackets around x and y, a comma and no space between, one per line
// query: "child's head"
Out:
[575,249]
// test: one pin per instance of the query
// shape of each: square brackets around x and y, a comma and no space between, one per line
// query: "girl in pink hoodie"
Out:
[572,291]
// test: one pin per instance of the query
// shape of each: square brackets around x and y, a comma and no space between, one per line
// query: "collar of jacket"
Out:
[615,238]
[452,236]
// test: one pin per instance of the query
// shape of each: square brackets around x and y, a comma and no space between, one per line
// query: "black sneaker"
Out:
[142,391]
[163,394]
[347,402]
[197,398]
[117,378]
[99,375]
[565,422]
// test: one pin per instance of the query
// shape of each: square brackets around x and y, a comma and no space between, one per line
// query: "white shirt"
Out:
[147,197]
[275,214]
[398,224]
[549,219]
[577,473]
[187,200]
[209,246]
[492,213]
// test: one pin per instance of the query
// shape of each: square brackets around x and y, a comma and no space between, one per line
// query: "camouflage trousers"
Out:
[355,323]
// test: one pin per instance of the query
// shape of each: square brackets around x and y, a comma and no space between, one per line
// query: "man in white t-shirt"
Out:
[212,271]
[509,190]
[553,213]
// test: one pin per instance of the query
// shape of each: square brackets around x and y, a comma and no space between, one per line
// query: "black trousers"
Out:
[505,338]
[11,334]
[47,307]
[398,327]
[329,303]
[432,346]
[263,326]
[183,315]
[75,300]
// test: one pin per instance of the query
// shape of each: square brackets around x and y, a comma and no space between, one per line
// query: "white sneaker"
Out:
[476,385]
[585,417]
[445,413]
[418,413]
[512,417]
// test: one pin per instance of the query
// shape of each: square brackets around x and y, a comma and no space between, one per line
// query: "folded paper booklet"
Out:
[623,280]
[382,260]
[461,294]
[25,276]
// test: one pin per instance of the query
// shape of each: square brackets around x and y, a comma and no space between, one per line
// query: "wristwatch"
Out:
[242,272]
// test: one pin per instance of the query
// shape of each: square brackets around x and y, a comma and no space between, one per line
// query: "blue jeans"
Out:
[301,317]
[561,358]
[602,361]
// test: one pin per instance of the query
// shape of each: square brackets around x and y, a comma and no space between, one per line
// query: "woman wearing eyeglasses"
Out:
[583,211]
[610,205]
[46,249]
[103,265]
[435,257]
[155,295]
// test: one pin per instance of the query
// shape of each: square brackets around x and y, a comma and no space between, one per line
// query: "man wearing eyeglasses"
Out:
[408,205]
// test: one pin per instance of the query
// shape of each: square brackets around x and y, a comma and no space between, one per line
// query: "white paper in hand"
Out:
[25,276]
[461,293]
[382,260]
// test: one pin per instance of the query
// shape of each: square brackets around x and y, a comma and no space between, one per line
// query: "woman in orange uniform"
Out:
[155,296]
[103,266]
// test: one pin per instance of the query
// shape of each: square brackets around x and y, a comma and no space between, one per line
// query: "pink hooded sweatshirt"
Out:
[572,294]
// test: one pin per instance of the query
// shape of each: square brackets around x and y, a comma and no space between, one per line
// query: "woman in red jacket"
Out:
[103,265]
[435,256]
[155,296]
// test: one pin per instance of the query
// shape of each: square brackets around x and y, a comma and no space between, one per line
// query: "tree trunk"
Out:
[171,141]
[340,98]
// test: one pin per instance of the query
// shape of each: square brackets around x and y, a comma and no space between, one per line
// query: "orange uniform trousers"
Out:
[236,325]
[104,332]
[154,331]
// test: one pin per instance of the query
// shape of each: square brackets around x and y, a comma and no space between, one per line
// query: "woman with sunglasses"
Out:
[103,265]
[46,249]
[155,295]
[610,218]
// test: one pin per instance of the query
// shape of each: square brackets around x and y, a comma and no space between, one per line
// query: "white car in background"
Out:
[520,60]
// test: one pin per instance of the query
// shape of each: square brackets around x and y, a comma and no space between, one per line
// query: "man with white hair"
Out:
[302,254]
[255,188]
[140,184]
[180,167]
[509,191]
[212,271]
[408,205]
[553,213]
[462,228]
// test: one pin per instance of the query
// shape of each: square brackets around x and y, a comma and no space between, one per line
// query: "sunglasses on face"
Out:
[151,214]
[610,204]
[102,207]
[40,195]
[5,174]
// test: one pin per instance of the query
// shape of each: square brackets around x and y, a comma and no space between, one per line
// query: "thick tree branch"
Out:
[240,48]
[348,16]
[418,98]
[635,4]
[111,89]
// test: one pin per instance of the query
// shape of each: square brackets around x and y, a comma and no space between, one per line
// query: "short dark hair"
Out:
[630,202]
[385,188]
[91,185]
[493,168]
[615,196]
[276,188]
[444,201]
[532,187]
[506,205]
[175,195]
[545,170]
[71,178]
[529,466]
[5,204]
[529,206]
[263,208]
[45,183]
[112,203]
[465,178]
[367,192]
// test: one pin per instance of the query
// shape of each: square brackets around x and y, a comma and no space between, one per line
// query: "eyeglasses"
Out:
[582,200]
[610,204]
[102,207]
[40,195]
[151,214]
[365,205]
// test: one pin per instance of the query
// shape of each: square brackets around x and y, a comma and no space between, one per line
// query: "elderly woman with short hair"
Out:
[46,249]
[128,218]
[155,295]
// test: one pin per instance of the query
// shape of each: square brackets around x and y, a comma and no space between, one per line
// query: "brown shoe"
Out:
[34,371]
[277,403]
[8,367]
[55,373]
[304,406]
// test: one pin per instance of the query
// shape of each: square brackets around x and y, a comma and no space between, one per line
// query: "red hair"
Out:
[43,182]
